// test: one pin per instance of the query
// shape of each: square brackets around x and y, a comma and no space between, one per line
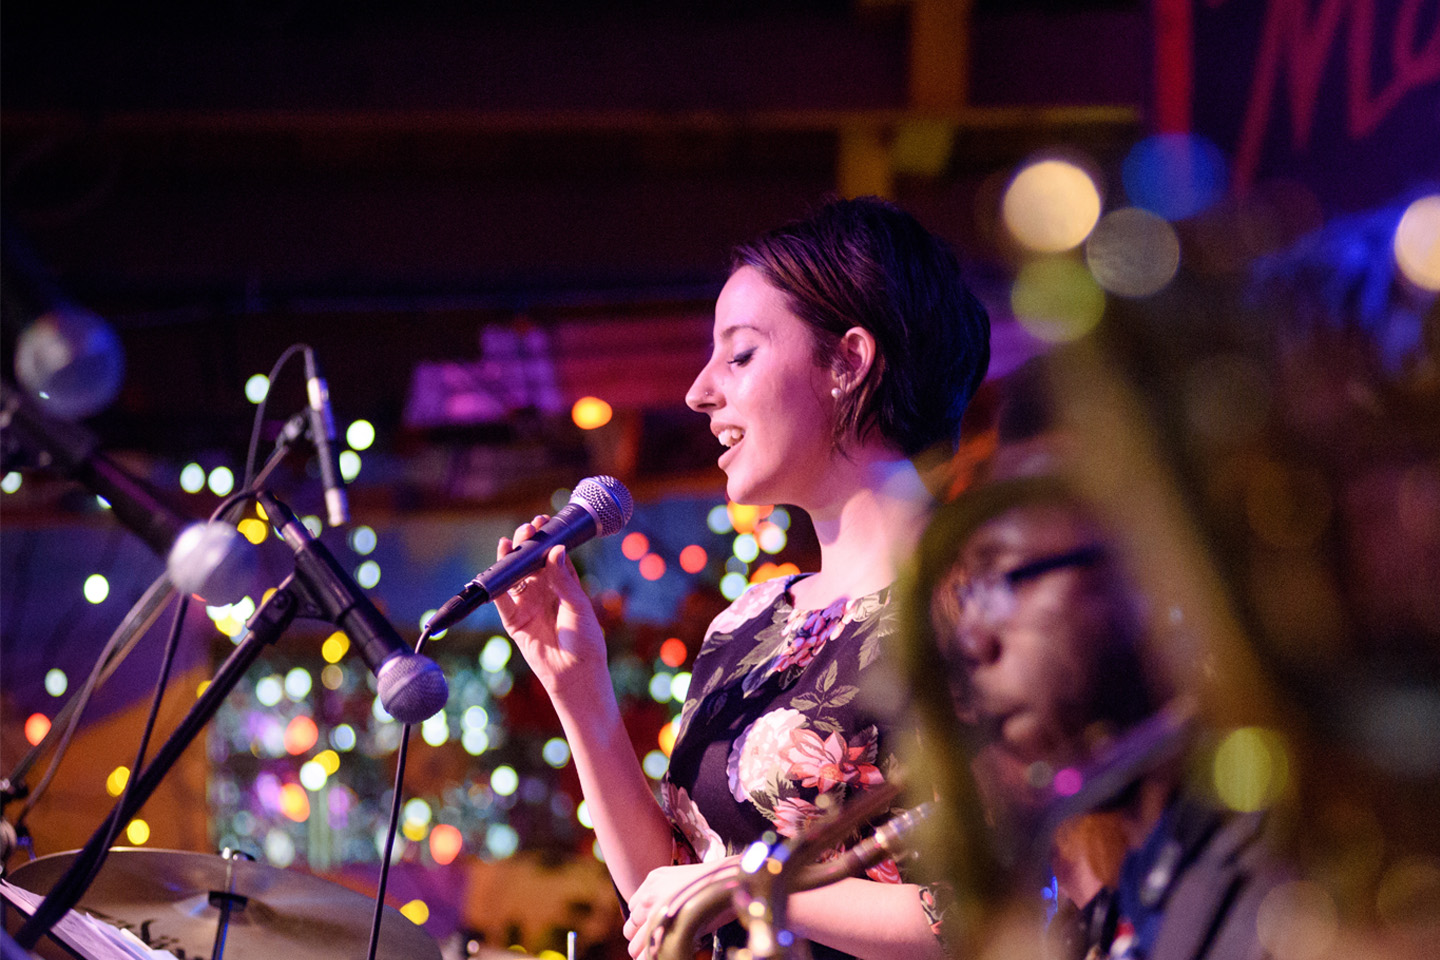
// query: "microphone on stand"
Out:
[412,687]
[322,434]
[209,559]
[599,507]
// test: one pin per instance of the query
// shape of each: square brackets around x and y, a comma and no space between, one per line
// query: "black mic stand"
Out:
[270,621]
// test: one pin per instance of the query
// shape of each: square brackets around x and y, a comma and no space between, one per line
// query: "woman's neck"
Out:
[867,525]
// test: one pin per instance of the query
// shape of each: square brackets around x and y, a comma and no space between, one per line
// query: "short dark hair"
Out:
[867,263]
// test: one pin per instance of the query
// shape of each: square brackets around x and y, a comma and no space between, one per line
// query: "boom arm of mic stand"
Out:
[265,627]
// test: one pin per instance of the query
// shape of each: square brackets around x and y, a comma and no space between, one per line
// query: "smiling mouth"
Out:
[730,436]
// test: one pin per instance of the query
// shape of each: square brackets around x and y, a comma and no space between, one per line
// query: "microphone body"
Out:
[322,434]
[599,507]
[412,687]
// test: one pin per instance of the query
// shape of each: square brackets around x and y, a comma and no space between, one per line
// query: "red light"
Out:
[635,545]
[36,727]
[300,735]
[693,558]
[445,843]
[673,652]
[652,566]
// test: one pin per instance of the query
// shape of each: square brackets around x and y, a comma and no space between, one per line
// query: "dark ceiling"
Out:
[387,181]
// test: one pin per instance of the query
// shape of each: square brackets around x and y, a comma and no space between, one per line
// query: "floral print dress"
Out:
[776,718]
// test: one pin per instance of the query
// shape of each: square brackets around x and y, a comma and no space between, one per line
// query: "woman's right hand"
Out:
[551,620]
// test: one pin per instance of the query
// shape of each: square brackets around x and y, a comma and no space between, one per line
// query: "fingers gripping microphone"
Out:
[412,687]
[322,434]
[599,507]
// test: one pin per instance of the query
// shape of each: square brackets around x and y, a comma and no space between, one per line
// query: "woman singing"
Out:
[845,346]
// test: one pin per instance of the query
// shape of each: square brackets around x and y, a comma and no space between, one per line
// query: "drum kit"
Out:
[164,903]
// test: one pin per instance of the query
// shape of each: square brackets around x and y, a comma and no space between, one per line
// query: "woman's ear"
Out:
[854,356]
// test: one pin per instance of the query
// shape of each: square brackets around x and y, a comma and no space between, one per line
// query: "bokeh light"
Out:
[635,545]
[1051,206]
[363,540]
[693,558]
[11,482]
[590,413]
[56,683]
[1174,175]
[312,776]
[115,782]
[367,574]
[300,735]
[349,462]
[446,843]
[666,739]
[257,387]
[96,588]
[1133,253]
[495,654]
[733,584]
[501,840]
[360,435]
[771,537]
[680,686]
[253,530]
[655,764]
[37,725]
[1417,242]
[652,566]
[1251,769]
[582,815]
[673,652]
[192,478]
[744,517]
[504,780]
[435,730]
[221,481]
[138,832]
[1297,921]
[718,519]
[343,737]
[556,752]
[416,911]
[294,802]
[1056,299]
[269,690]
[335,647]
[746,548]
[298,683]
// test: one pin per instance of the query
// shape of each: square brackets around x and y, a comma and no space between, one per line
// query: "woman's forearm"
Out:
[879,921]
[633,831]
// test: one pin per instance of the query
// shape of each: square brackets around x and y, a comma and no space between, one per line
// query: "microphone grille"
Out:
[608,502]
[412,688]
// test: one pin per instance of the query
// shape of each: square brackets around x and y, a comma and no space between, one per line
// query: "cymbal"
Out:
[163,896]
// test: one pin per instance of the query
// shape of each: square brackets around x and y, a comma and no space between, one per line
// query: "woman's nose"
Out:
[978,643]
[702,395]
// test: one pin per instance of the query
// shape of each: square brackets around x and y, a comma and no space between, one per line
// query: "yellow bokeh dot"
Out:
[138,832]
[115,783]
[416,911]
[414,830]
[200,690]
[667,738]
[1056,299]
[590,413]
[329,760]
[1417,242]
[1051,206]
[1251,769]
[335,647]
[253,530]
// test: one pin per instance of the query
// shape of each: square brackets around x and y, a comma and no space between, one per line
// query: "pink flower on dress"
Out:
[807,632]
[826,764]
[886,871]
[759,752]
[687,817]
[792,815]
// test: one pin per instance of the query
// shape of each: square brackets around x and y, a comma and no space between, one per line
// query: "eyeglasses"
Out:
[988,600]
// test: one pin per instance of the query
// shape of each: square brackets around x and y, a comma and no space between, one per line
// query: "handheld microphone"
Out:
[322,434]
[599,507]
[412,687]
[210,560]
